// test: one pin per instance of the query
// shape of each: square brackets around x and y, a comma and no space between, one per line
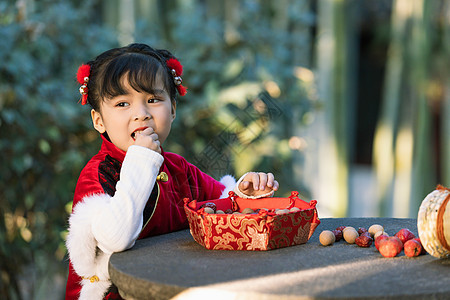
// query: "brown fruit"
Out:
[361,230]
[366,233]
[337,235]
[210,205]
[364,240]
[341,228]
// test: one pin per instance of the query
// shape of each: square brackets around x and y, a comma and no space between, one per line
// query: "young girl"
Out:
[131,188]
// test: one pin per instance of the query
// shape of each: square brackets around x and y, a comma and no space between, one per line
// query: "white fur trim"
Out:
[93,291]
[87,260]
[229,182]
[242,195]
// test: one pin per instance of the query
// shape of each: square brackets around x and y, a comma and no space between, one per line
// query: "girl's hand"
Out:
[255,184]
[148,139]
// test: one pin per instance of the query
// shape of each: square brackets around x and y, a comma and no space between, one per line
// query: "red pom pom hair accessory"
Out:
[83,78]
[177,70]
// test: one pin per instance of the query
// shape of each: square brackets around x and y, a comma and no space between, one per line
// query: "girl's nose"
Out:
[142,113]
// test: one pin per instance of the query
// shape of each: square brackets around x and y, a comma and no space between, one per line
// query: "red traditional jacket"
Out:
[162,213]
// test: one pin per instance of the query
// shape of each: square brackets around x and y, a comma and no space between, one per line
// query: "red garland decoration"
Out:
[83,78]
[174,64]
[181,90]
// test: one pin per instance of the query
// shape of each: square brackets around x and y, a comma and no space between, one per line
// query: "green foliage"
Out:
[45,138]
[244,101]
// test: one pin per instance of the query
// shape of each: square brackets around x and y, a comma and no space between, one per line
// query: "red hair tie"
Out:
[83,78]
[177,70]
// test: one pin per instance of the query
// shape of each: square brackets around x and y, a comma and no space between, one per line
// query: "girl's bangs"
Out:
[142,73]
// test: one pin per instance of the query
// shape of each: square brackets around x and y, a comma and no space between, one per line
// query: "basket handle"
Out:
[292,198]
[234,205]
[190,203]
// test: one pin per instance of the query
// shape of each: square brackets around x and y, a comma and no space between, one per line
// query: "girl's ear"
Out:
[174,110]
[97,121]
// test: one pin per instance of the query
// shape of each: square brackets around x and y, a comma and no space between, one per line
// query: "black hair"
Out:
[142,65]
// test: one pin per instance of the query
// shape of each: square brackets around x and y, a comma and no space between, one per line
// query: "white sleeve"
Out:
[118,222]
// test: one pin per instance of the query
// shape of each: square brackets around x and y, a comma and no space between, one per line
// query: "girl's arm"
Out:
[111,224]
[115,222]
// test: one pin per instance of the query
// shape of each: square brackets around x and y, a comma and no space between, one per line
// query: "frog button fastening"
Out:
[163,177]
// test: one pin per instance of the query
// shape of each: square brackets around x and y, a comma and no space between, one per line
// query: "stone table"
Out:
[175,266]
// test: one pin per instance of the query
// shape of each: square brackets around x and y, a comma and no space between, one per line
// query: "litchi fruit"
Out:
[390,247]
[405,235]
[412,248]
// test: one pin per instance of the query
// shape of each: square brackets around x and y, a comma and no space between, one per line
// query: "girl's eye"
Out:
[122,104]
[152,100]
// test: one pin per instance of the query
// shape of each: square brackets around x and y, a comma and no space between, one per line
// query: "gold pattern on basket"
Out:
[223,224]
[302,234]
[297,218]
[246,230]
[259,240]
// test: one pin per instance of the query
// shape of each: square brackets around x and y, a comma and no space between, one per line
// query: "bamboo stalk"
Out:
[336,76]
[127,22]
[422,179]
[385,133]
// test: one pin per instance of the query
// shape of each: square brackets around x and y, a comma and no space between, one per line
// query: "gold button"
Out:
[162,177]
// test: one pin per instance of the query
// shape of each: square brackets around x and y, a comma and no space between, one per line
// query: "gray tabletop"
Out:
[175,266]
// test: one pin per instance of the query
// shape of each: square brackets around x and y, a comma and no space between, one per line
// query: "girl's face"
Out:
[123,115]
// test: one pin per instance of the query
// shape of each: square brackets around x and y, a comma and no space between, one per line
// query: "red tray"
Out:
[264,230]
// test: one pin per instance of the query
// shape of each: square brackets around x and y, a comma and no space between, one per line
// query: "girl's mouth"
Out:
[137,130]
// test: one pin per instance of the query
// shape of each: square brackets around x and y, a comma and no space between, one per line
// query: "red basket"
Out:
[265,230]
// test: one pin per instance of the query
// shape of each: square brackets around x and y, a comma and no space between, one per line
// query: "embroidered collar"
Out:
[111,149]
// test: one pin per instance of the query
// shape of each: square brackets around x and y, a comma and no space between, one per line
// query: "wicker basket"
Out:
[433,222]
[264,230]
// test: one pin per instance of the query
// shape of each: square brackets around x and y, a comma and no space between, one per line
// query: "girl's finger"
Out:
[270,179]
[245,185]
[255,180]
[148,131]
[262,181]
[275,185]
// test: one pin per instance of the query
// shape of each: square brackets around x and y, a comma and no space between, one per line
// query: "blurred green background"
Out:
[345,101]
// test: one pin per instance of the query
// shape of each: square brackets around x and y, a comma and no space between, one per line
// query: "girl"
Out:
[131,188]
